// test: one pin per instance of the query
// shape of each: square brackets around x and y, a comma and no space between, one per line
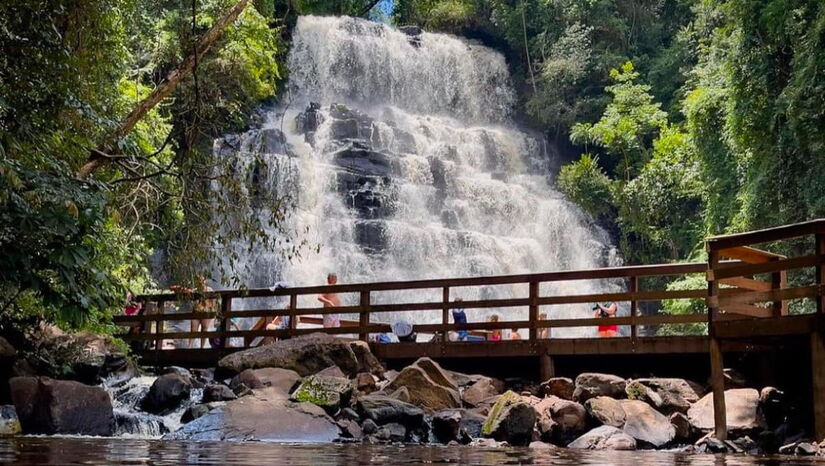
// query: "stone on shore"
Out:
[604,438]
[283,380]
[82,356]
[681,426]
[511,420]
[638,391]
[364,384]
[447,425]
[676,394]
[482,389]
[306,355]
[262,416]
[48,406]
[591,384]
[327,391]
[367,362]
[606,411]
[427,385]
[166,394]
[741,408]
[645,424]
[561,387]
[9,423]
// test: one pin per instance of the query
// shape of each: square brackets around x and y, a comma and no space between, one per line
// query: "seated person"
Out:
[459,317]
[495,334]
[514,335]
[403,330]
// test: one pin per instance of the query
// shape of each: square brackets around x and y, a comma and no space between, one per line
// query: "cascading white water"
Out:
[398,157]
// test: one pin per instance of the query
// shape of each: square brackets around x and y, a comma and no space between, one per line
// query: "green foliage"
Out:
[629,123]
[685,307]
[585,183]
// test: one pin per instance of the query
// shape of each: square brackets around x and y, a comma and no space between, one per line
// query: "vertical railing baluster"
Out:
[159,326]
[293,317]
[226,310]
[364,320]
[634,310]
[717,376]
[445,312]
[534,309]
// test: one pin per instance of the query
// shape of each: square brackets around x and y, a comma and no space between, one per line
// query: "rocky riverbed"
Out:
[319,388]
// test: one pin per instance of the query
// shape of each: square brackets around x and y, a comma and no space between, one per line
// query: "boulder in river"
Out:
[560,419]
[166,393]
[306,355]
[604,438]
[263,416]
[383,409]
[641,392]
[217,392]
[741,407]
[447,425]
[482,389]
[676,394]
[49,406]
[327,391]
[427,386]
[591,384]
[606,411]
[511,420]
[367,362]
[284,380]
[561,387]
[645,424]
[83,356]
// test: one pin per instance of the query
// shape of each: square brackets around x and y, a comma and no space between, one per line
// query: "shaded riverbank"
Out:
[57,450]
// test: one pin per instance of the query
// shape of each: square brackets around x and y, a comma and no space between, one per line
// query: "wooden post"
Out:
[634,309]
[820,272]
[293,317]
[159,327]
[364,320]
[547,368]
[226,308]
[534,309]
[818,380]
[445,311]
[717,365]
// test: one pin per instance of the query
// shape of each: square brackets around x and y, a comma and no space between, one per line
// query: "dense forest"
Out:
[678,119]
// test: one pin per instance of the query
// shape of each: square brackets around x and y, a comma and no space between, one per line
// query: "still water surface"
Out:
[52,450]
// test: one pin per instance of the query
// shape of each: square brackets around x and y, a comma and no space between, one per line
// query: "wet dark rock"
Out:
[712,445]
[511,420]
[638,391]
[371,235]
[85,357]
[217,392]
[364,383]
[681,426]
[447,425]
[560,420]
[604,438]
[561,387]
[166,393]
[521,385]
[48,406]
[139,424]
[369,427]
[392,432]
[349,414]
[383,409]
[272,141]
[350,429]
[367,362]
[193,412]
[306,355]
[676,394]
[401,394]
[772,404]
[183,372]
[806,449]
[309,120]
[7,351]
[590,385]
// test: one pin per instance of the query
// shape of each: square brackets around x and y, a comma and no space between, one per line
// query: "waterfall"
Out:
[395,157]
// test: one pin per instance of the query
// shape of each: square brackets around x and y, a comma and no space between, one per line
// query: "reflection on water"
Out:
[51,450]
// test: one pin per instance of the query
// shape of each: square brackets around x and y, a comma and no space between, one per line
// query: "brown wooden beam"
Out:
[767,235]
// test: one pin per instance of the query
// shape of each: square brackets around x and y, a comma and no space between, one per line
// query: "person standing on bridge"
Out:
[606,310]
[331,300]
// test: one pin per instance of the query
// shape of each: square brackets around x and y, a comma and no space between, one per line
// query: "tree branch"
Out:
[95,161]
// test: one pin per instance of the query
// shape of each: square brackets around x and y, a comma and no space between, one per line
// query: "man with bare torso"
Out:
[331,300]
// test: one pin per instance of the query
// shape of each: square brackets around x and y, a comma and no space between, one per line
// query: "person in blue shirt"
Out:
[459,317]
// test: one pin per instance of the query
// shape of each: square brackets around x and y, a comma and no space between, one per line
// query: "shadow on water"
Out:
[53,450]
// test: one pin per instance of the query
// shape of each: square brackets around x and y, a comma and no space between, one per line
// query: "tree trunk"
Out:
[98,157]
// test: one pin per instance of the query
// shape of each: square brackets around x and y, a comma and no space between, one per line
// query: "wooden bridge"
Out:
[747,309]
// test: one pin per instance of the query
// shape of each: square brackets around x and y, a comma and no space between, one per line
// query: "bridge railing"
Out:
[150,326]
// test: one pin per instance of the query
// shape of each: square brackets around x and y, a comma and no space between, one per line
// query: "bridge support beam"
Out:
[818,381]
[717,381]
[547,367]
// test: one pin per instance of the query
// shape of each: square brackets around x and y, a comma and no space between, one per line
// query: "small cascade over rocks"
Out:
[395,157]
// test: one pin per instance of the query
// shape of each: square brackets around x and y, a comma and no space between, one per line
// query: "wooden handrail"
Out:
[767,235]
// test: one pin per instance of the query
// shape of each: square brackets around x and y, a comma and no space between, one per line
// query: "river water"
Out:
[54,450]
